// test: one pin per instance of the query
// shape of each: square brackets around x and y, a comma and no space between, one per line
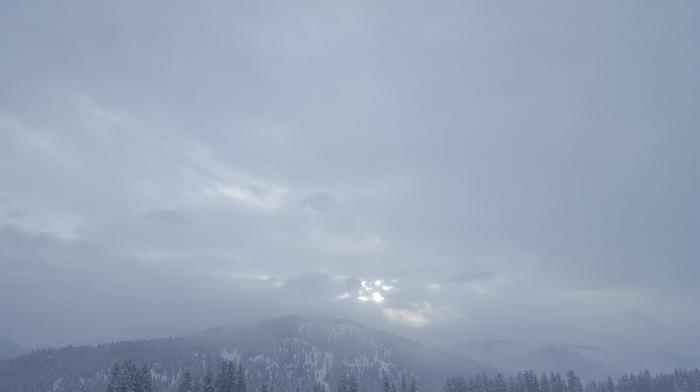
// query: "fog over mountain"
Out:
[285,353]
[589,362]
[10,349]
[447,171]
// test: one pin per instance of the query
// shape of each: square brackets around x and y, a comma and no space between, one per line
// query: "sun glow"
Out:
[377,297]
[371,291]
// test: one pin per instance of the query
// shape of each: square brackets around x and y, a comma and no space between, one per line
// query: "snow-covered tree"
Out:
[185,382]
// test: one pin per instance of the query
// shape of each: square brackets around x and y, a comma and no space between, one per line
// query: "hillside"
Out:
[286,352]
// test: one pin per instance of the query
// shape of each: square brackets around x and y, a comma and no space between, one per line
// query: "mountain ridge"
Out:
[286,352]
[590,362]
[9,349]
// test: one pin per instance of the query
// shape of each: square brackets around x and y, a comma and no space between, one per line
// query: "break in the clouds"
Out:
[447,170]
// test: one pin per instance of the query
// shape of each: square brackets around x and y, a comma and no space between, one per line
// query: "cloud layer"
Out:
[516,171]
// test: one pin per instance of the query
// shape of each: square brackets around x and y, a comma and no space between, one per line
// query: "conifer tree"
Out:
[499,384]
[456,384]
[185,382]
[413,386]
[342,385]
[146,379]
[386,385]
[221,383]
[544,383]
[573,383]
[352,384]
[127,380]
[197,383]
[126,377]
[208,381]
[240,383]
[530,382]
[556,383]
[317,387]
[114,374]
[608,386]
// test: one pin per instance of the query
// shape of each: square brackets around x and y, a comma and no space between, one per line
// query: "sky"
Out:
[445,170]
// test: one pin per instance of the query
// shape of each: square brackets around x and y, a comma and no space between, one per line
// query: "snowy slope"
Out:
[296,351]
[287,352]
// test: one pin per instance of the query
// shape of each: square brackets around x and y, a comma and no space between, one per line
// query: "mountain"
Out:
[134,332]
[10,349]
[286,352]
[587,361]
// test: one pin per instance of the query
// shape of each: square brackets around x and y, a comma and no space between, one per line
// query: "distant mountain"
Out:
[587,361]
[286,352]
[134,332]
[10,349]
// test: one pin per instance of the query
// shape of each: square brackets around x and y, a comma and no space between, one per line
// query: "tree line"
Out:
[406,385]
[127,377]
[528,381]
[230,376]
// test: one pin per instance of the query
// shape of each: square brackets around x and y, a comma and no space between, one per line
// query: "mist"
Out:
[447,171]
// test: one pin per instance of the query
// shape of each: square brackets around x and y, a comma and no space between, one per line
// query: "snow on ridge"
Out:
[321,372]
[234,355]
[328,324]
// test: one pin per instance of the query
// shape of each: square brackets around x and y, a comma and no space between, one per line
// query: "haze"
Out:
[448,171]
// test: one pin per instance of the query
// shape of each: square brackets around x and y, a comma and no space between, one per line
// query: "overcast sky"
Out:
[446,170]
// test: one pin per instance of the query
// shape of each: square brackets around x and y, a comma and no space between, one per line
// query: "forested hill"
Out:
[285,353]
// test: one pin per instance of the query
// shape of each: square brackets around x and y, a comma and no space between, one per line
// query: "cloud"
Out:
[471,276]
[258,198]
[164,215]
[421,315]
[505,165]
[320,202]
[406,316]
